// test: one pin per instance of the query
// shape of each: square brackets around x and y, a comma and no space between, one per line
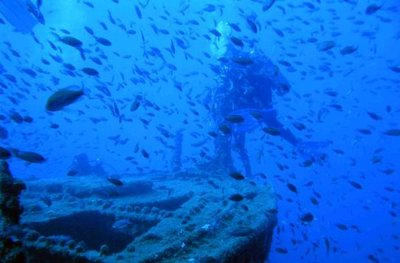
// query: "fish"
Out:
[115,181]
[272,131]
[103,41]
[307,218]
[136,103]
[73,42]
[395,69]
[63,98]
[237,42]
[138,12]
[342,226]
[234,118]
[145,154]
[372,9]
[374,116]
[281,250]
[215,32]
[4,153]
[348,50]
[31,157]
[326,45]
[236,176]
[72,172]
[267,5]
[355,185]
[252,25]
[236,197]
[392,132]
[292,188]
[299,126]
[225,129]
[90,71]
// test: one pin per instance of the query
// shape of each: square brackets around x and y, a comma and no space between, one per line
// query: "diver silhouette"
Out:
[243,100]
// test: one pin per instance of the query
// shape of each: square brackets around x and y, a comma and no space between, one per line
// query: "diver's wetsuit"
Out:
[246,85]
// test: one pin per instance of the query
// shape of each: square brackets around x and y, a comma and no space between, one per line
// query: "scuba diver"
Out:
[243,100]
[82,166]
[23,15]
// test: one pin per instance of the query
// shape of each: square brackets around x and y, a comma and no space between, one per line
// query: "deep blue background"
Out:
[178,82]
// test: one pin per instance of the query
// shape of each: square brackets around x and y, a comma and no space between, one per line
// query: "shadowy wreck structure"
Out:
[157,217]
[11,249]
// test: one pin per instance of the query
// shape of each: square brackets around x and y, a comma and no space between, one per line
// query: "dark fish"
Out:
[257,115]
[103,41]
[4,153]
[252,25]
[355,185]
[90,71]
[28,119]
[63,97]
[71,41]
[272,131]
[342,226]
[327,245]
[395,69]
[145,154]
[307,163]
[374,116]
[373,258]
[54,126]
[326,45]
[225,129]
[72,172]
[348,50]
[236,197]
[237,42]
[267,5]
[234,118]
[365,131]
[236,175]
[298,125]
[307,218]
[15,116]
[115,181]
[373,8]
[138,12]
[215,32]
[292,188]
[30,157]
[392,132]
[235,27]
[281,250]
[136,103]
[89,30]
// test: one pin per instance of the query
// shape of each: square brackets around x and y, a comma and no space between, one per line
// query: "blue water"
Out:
[160,50]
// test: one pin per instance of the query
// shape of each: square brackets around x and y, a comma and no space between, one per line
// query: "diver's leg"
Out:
[271,120]
[240,147]
[223,156]
[177,155]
